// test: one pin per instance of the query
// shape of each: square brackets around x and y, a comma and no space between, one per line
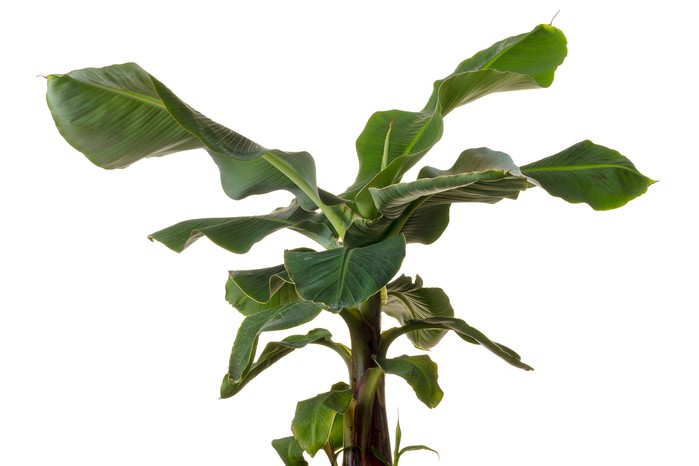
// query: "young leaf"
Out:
[239,234]
[421,374]
[289,451]
[313,420]
[586,172]
[408,301]
[344,277]
[277,318]
[273,352]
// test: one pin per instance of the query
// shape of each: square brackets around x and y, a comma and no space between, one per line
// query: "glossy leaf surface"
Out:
[587,172]
[344,277]
[421,374]
[314,418]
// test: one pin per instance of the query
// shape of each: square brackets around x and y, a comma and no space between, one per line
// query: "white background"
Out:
[112,348]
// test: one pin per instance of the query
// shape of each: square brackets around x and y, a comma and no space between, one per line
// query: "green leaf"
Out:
[229,149]
[408,301]
[462,329]
[313,420]
[272,353]
[114,115]
[425,225]
[344,277]
[259,285]
[421,374]
[239,234]
[393,200]
[586,172]
[521,62]
[289,451]
[414,448]
[120,114]
[420,210]
[281,317]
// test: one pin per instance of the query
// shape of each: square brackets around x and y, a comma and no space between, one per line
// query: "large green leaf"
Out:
[277,318]
[289,451]
[344,277]
[521,62]
[272,353]
[421,374]
[239,234]
[120,114]
[590,173]
[114,115]
[462,329]
[313,420]
[408,301]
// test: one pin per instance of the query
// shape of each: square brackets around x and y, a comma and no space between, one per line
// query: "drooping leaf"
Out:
[298,168]
[421,374]
[314,417]
[414,448]
[260,284]
[120,114]
[114,116]
[521,62]
[463,330]
[408,301]
[281,317]
[586,172]
[239,234]
[272,353]
[289,451]
[344,277]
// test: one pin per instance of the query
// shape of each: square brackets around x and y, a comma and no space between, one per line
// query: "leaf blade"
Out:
[587,172]
[344,277]
[421,374]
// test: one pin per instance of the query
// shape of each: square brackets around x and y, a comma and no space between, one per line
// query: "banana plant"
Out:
[120,114]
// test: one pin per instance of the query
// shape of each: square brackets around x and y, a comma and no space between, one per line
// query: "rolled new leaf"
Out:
[587,172]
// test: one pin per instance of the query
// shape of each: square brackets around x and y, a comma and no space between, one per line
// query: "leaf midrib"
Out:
[578,167]
[129,94]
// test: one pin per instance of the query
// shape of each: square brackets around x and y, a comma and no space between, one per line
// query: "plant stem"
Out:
[367,439]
